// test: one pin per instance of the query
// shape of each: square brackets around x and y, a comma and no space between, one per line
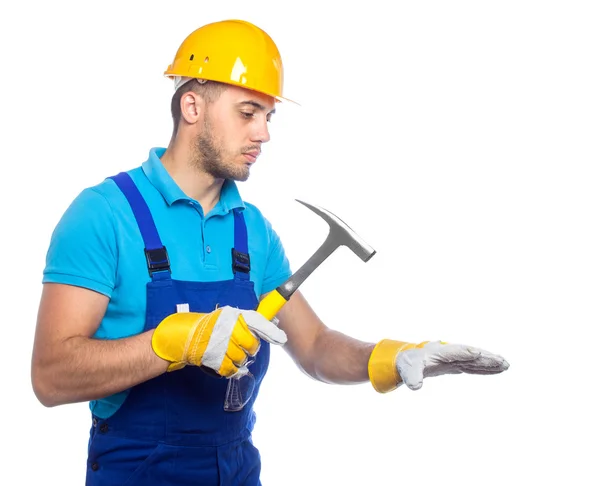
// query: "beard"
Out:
[212,158]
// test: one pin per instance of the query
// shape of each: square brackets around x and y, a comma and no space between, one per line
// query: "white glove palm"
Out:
[435,359]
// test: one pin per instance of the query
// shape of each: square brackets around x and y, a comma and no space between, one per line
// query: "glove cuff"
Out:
[172,338]
[383,372]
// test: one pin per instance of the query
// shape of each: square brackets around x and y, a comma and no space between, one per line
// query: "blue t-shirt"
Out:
[97,245]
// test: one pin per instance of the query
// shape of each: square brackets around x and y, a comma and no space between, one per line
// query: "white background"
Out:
[458,138]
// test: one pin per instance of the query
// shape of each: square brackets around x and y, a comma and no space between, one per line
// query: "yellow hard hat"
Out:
[234,52]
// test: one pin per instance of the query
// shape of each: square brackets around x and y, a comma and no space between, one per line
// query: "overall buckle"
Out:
[241,261]
[157,260]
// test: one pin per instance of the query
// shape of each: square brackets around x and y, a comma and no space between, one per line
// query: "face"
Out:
[234,129]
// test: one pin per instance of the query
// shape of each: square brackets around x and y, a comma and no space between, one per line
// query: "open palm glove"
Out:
[394,362]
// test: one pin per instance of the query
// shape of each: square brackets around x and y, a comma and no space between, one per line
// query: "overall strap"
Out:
[157,257]
[239,253]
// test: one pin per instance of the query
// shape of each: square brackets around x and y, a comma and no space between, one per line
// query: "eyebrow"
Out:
[257,106]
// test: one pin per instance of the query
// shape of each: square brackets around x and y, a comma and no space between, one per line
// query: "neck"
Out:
[196,184]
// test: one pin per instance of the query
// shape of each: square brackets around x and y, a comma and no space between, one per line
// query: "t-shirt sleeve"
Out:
[277,269]
[83,249]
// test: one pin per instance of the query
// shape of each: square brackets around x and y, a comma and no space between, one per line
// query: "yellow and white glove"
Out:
[394,362]
[221,340]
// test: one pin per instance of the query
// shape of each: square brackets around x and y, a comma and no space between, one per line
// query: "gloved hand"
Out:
[221,340]
[393,363]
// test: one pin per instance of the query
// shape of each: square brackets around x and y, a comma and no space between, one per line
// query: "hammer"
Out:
[340,234]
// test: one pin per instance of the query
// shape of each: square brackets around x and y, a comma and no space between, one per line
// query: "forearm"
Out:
[332,357]
[88,369]
[340,359]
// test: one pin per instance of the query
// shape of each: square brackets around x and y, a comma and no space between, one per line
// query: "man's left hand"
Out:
[436,358]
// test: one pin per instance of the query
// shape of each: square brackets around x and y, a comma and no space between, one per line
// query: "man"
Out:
[153,277]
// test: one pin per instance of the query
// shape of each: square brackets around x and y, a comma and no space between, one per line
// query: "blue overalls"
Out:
[172,429]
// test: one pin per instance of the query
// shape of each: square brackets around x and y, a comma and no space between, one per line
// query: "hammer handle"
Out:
[271,304]
[276,299]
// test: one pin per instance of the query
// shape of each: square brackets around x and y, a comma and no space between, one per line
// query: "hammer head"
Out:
[341,234]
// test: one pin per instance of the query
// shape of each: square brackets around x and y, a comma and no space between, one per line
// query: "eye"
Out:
[247,115]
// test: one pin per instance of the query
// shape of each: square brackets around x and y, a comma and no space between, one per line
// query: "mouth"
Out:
[251,156]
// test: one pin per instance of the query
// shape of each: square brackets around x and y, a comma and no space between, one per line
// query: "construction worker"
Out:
[153,278]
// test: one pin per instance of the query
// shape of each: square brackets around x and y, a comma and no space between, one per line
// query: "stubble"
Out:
[211,158]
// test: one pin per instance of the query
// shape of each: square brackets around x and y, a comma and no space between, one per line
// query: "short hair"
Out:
[209,91]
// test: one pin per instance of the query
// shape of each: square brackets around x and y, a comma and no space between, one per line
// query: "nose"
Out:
[261,132]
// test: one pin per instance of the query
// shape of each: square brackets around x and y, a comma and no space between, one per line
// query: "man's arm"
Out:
[324,354]
[333,357]
[69,366]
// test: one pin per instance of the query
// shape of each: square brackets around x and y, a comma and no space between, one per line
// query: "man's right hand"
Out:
[221,340]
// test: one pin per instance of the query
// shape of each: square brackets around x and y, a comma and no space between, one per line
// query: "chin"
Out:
[240,176]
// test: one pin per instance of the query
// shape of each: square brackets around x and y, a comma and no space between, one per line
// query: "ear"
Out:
[192,107]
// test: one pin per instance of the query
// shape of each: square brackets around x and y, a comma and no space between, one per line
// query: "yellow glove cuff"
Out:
[383,372]
[182,338]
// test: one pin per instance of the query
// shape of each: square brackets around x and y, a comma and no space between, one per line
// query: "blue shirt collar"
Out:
[159,177]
